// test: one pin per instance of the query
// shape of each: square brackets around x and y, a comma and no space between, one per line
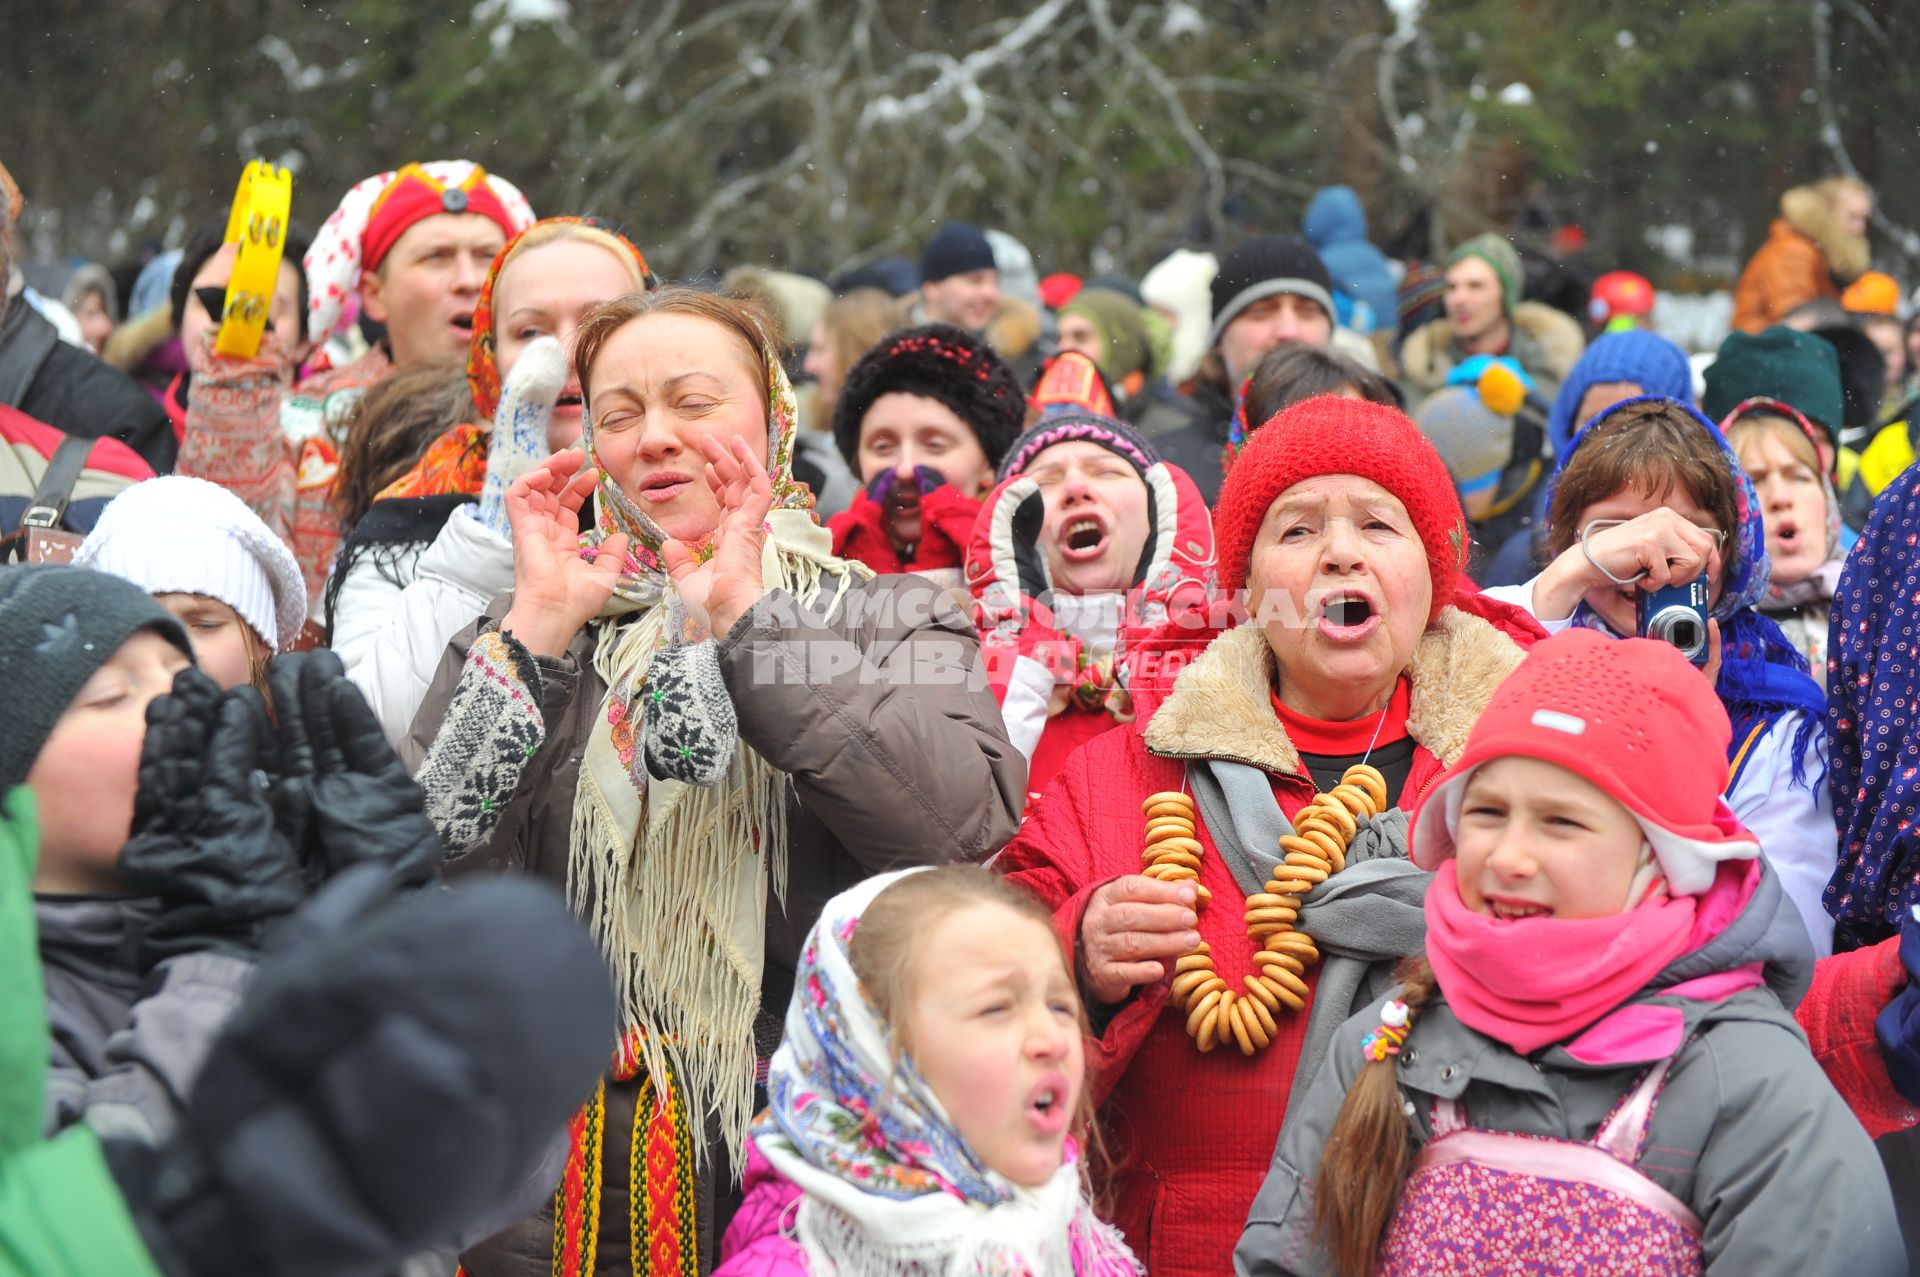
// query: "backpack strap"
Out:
[55,489]
[26,339]
[1625,1131]
[1447,1117]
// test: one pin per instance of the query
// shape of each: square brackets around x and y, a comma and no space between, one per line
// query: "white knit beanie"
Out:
[1182,283]
[176,535]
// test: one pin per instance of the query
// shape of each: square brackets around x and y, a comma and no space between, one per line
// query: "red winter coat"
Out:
[1052,699]
[1191,1136]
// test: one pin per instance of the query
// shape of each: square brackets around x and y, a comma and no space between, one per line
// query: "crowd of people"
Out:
[1297,763]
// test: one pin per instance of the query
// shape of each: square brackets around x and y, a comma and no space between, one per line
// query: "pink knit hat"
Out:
[1630,715]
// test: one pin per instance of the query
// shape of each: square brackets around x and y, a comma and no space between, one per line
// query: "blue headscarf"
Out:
[1646,359]
[1872,663]
[1762,675]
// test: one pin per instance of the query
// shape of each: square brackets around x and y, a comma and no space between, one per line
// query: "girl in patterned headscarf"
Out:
[703,725]
[1650,494]
[924,1101]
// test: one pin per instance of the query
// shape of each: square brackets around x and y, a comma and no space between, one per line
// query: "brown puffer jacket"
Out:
[898,758]
[1806,256]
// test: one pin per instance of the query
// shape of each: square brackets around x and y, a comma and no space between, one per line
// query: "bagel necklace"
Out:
[1217,1014]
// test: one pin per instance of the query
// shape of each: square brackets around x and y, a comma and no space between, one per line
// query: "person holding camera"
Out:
[1655,530]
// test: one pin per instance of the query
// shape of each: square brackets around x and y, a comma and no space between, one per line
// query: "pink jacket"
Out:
[758,1242]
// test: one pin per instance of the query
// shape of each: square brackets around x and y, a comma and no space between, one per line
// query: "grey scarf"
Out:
[1364,919]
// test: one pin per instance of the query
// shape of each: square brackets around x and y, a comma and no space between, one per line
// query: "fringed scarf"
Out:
[891,1188]
[672,878]
[1762,674]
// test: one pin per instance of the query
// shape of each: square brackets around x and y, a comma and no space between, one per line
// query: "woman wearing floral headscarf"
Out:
[435,547]
[704,725]
[1648,495]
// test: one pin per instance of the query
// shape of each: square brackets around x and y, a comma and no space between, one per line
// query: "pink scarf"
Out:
[1538,981]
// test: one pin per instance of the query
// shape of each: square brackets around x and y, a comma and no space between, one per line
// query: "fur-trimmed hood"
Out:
[1220,706]
[1547,342]
[1804,210]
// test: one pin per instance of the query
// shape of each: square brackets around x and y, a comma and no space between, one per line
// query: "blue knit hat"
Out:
[1646,359]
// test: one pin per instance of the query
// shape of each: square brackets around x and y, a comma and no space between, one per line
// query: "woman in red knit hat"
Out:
[1360,648]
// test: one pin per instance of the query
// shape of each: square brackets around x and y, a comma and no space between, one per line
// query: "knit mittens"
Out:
[689,730]
[520,424]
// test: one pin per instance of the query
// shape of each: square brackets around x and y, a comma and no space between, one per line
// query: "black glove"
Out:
[204,840]
[382,1087]
[343,795]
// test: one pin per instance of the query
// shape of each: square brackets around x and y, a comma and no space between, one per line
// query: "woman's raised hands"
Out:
[719,591]
[555,590]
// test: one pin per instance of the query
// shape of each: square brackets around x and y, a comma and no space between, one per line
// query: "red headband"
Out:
[412,196]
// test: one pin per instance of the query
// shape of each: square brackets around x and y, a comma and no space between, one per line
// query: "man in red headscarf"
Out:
[412,246]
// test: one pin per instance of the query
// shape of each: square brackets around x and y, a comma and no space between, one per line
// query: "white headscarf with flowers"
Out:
[892,1189]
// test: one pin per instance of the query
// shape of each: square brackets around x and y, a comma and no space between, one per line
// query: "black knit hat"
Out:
[57,626]
[1266,266]
[955,249]
[943,363]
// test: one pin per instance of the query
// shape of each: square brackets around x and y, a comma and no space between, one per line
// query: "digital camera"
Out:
[1676,614]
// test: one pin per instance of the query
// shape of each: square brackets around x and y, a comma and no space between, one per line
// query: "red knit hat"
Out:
[1630,715]
[1332,435]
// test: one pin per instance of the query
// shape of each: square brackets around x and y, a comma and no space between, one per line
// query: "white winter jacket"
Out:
[390,638]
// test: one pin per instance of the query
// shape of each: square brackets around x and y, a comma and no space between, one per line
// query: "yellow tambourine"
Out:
[258,224]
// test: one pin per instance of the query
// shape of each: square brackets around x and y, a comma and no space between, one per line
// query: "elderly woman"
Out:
[1340,523]
[704,725]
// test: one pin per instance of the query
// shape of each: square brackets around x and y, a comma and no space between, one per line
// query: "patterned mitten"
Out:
[520,426]
[688,728]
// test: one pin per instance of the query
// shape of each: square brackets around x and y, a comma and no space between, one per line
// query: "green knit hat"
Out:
[57,626]
[1498,253]
[1798,369]
[1121,327]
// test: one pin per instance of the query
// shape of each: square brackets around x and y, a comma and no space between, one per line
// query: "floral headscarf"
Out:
[1873,671]
[891,1185]
[483,369]
[456,462]
[1762,675]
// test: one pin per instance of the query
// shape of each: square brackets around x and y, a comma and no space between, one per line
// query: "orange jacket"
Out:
[1787,270]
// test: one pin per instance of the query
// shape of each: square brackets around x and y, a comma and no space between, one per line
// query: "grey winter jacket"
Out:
[1747,1131]
[125,1052]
